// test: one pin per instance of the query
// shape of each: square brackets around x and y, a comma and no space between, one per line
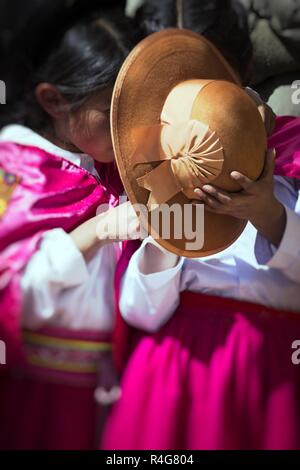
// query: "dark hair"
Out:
[86,59]
[223,22]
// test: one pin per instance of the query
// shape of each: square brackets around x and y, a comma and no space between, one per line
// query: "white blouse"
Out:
[250,269]
[59,287]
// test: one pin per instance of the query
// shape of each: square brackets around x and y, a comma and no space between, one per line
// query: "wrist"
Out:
[107,227]
[272,224]
[86,238]
[102,228]
[266,212]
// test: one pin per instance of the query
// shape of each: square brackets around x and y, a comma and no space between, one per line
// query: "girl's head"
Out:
[66,97]
[223,22]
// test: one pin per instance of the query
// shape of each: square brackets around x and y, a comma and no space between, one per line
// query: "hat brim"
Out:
[150,72]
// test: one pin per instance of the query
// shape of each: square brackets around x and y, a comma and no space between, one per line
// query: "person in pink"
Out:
[57,259]
[213,361]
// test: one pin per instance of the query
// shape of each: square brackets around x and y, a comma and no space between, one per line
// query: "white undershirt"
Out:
[59,287]
[251,269]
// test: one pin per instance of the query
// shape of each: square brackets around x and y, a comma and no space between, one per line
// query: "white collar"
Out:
[26,136]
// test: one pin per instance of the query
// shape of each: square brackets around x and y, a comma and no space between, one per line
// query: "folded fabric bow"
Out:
[189,153]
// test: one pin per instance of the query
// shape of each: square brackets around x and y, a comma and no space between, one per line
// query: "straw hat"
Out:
[179,120]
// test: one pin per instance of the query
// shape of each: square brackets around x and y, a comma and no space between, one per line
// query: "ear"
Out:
[51,100]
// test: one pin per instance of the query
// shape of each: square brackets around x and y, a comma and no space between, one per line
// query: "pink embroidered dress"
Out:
[54,341]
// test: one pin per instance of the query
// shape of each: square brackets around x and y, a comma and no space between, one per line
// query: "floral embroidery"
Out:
[3,206]
[10,179]
[64,360]
[8,183]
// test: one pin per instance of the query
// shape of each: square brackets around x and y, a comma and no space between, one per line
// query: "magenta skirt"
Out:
[218,375]
[48,402]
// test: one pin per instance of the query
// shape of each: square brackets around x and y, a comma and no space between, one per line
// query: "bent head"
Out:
[79,127]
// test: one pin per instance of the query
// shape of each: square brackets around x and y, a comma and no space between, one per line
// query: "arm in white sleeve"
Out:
[285,258]
[148,300]
[57,265]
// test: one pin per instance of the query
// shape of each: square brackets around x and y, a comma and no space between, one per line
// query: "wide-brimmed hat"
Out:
[179,120]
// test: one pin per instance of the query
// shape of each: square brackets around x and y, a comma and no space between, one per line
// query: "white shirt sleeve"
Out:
[148,301]
[61,289]
[242,271]
[285,258]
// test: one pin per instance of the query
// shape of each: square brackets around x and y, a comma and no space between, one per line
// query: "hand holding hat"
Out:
[256,202]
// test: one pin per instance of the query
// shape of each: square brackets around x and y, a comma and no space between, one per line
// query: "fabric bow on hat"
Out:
[189,153]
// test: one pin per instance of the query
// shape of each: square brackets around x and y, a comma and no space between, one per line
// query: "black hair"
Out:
[223,22]
[84,60]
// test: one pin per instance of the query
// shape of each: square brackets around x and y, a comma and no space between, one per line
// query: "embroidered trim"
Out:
[63,360]
[45,340]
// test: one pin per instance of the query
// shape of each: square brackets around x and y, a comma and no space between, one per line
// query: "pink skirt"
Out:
[218,375]
[48,402]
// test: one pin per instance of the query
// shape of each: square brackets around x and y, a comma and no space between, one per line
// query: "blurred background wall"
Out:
[274,27]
